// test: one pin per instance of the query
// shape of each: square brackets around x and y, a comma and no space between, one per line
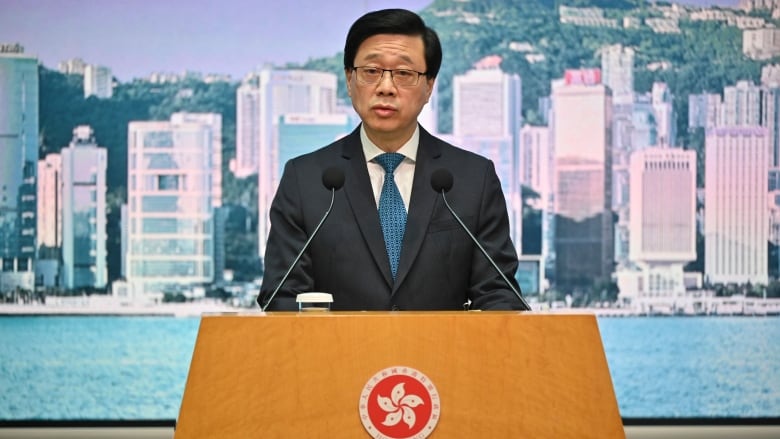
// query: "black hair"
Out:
[393,21]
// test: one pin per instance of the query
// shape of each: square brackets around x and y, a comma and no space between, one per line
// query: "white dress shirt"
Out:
[404,173]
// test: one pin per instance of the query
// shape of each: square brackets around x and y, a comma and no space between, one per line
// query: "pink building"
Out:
[736,220]
[581,137]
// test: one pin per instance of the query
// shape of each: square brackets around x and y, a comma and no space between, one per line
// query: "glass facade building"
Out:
[582,142]
[486,119]
[18,166]
[278,92]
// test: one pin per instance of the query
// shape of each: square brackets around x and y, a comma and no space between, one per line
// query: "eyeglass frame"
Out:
[392,75]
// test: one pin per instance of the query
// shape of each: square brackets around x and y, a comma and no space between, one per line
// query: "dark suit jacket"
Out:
[439,269]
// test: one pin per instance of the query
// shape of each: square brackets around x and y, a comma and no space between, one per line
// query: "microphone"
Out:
[441,182]
[333,180]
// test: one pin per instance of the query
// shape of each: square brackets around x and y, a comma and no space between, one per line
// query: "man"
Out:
[390,244]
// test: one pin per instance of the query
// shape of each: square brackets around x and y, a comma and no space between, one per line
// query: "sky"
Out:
[137,37]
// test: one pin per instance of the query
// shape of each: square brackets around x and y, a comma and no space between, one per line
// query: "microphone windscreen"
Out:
[333,178]
[441,180]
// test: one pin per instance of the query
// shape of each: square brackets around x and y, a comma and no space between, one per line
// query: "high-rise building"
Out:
[486,102]
[303,133]
[703,110]
[487,106]
[536,173]
[581,135]
[171,204]
[18,167]
[770,118]
[645,122]
[774,218]
[665,117]
[736,222]
[536,159]
[98,82]
[663,217]
[617,67]
[629,123]
[49,216]
[282,92]
[49,230]
[247,128]
[84,256]
[741,105]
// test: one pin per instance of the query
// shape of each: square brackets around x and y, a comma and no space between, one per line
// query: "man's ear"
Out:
[431,85]
[347,74]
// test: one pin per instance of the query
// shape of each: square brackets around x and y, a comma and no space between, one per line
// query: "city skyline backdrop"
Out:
[577,154]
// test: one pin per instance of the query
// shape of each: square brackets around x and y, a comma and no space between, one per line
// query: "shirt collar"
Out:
[409,149]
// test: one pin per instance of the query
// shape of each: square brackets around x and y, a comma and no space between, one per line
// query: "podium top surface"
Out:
[416,314]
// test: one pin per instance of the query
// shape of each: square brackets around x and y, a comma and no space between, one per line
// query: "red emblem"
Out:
[399,403]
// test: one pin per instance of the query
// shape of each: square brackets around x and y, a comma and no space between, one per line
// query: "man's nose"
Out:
[386,84]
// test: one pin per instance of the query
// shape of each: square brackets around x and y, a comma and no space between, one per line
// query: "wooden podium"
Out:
[497,374]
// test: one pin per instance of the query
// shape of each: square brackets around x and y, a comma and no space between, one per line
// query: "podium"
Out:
[309,375]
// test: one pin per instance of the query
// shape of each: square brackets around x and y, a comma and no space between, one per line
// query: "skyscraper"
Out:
[18,167]
[581,135]
[49,217]
[171,202]
[247,128]
[736,219]
[487,106]
[49,231]
[486,101]
[663,217]
[741,105]
[665,117]
[282,92]
[536,160]
[84,212]
[770,115]
[617,66]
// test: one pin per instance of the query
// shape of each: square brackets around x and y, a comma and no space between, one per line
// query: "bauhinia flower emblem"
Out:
[399,406]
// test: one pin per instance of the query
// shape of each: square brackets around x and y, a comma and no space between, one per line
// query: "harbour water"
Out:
[135,368]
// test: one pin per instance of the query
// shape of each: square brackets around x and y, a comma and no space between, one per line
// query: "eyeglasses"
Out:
[400,77]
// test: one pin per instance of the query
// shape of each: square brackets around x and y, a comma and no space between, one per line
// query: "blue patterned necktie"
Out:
[392,213]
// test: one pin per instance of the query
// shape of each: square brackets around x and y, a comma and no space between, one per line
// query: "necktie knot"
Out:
[389,161]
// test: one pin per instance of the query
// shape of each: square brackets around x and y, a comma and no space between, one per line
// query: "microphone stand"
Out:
[303,249]
[485,253]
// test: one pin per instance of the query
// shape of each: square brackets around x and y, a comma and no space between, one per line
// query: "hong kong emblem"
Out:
[399,403]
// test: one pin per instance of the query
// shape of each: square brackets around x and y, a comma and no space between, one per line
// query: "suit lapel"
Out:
[420,206]
[360,196]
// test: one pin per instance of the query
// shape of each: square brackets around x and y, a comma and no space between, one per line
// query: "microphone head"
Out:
[441,180]
[333,178]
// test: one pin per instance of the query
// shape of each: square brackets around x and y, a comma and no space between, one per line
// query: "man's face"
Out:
[389,112]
